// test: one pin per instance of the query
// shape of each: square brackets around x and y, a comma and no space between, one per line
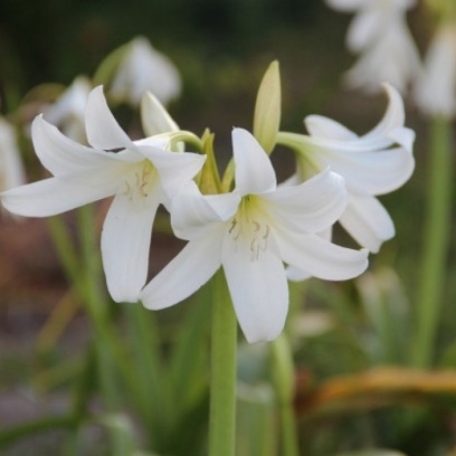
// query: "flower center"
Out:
[249,228]
[140,182]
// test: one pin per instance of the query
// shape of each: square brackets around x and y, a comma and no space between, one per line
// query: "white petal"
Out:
[185,274]
[346,5]
[56,195]
[311,206]
[321,258]
[258,289]
[154,117]
[324,127]
[368,222]
[364,28]
[254,173]
[125,245]
[372,172]
[174,168]
[192,213]
[59,154]
[103,131]
[295,274]
[394,116]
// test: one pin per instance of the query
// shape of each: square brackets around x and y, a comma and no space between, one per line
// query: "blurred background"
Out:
[222,49]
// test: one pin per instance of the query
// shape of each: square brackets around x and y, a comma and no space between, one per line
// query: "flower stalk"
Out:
[436,239]
[222,423]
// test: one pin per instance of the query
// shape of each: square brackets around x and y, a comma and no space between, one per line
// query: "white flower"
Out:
[11,169]
[379,32]
[373,164]
[140,174]
[251,232]
[435,91]
[144,69]
[68,111]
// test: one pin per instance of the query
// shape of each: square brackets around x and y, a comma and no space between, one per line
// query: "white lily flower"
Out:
[69,110]
[141,175]
[373,164]
[251,232]
[11,169]
[144,69]
[379,32]
[435,92]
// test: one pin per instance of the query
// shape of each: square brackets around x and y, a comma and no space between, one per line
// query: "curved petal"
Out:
[311,206]
[125,245]
[368,222]
[103,131]
[56,195]
[186,273]
[192,213]
[254,173]
[394,116]
[325,127]
[258,289]
[154,117]
[59,154]
[319,257]
[294,274]
[371,172]
[174,168]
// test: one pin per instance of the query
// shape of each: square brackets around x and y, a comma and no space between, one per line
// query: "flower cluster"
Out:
[380,34]
[256,229]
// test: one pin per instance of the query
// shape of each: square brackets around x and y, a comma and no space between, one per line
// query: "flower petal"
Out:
[294,274]
[364,29]
[371,172]
[258,289]
[174,168]
[254,173]
[311,206]
[59,154]
[154,117]
[346,5]
[319,257]
[192,213]
[125,245]
[325,127]
[56,195]
[367,221]
[103,131]
[185,274]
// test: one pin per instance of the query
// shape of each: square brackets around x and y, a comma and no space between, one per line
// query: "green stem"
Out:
[223,372]
[436,239]
[284,386]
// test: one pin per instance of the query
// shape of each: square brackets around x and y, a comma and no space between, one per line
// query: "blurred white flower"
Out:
[380,34]
[252,232]
[140,175]
[68,111]
[435,91]
[373,164]
[11,169]
[143,69]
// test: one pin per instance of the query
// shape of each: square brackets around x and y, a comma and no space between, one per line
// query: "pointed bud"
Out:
[266,120]
[209,180]
[154,117]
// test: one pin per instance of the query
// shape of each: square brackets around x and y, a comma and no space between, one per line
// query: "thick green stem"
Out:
[222,422]
[436,238]
[284,386]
